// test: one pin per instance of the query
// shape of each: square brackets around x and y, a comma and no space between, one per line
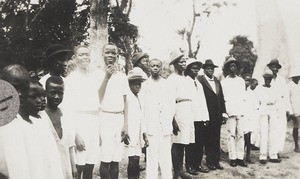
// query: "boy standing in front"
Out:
[114,114]
[62,129]
[158,116]
[135,78]
[234,96]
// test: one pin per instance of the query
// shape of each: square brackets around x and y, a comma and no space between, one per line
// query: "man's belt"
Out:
[113,112]
[183,100]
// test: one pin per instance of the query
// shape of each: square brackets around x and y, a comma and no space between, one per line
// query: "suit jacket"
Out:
[215,101]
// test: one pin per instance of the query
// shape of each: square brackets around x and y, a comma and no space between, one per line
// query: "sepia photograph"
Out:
[149,89]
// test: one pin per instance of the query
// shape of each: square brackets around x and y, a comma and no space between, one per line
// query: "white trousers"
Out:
[268,138]
[159,155]
[281,131]
[236,137]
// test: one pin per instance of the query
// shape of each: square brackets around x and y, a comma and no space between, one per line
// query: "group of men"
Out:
[91,113]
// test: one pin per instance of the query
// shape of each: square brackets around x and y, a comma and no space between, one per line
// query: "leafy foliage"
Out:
[243,51]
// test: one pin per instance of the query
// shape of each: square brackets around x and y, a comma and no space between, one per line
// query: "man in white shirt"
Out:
[234,95]
[294,88]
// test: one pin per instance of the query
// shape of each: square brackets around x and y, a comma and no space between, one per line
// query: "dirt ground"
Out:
[289,168]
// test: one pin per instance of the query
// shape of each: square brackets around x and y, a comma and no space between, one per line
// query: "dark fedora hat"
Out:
[274,62]
[56,49]
[137,56]
[209,62]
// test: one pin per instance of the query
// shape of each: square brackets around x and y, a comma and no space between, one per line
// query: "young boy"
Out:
[113,93]
[44,144]
[85,110]
[234,96]
[268,109]
[158,115]
[135,78]
[62,129]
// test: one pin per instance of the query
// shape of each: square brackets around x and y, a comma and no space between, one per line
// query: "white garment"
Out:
[251,123]
[200,110]
[134,125]
[234,95]
[44,79]
[183,89]
[283,105]
[117,87]
[295,97]
[236,140]
[158,107]
[65,143]
[81,101]
[269,121]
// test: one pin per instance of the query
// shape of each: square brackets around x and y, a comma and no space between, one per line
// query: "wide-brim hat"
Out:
[137,74]
[57,49]
[191,61]
[267,73]
[295,72]
[229,61]
[209,62]
[175,55]
[274,62]
[137,56]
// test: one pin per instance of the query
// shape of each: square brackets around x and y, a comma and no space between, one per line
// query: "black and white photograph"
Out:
[149,89]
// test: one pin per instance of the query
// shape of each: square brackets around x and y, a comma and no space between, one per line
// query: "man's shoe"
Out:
[275,160]
[211,167]
[241,163]
[233,163]
[263,162]
[297,150]
[202,169]
[219,167]
[191,171]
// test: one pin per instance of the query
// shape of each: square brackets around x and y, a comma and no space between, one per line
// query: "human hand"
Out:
[110,69]
[74,172]
[80,146]
[125,137]
[146,140]
[175,127]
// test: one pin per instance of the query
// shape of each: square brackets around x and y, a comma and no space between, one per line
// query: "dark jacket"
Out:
[215,101]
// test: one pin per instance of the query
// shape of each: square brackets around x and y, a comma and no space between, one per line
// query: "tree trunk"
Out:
[98,29]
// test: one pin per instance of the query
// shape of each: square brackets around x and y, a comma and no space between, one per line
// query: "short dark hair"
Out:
[110,43]
[55,80]
[253,80]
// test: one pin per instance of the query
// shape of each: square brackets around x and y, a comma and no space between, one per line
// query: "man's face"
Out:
[195,68]
[59,65]
[82,57]
[135,86]
[54,94]
[180,64]
[110,54]
[253,85]
[35,99]
[143,62]
[209,71]
[274,68]
[232,68]
[247,80]
[155,67]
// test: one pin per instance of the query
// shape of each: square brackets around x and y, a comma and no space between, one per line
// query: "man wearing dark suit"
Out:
[216,107]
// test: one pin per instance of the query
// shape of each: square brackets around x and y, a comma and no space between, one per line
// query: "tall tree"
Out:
[243,51]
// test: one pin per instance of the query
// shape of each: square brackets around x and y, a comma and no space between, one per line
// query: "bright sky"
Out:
[158,21]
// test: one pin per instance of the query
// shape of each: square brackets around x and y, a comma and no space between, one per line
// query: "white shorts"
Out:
[88,128]
[111,125]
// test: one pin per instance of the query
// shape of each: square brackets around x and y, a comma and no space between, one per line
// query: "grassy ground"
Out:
[287,169]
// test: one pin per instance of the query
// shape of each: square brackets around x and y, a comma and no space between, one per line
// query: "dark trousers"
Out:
[177,158]
[195,151]
[133,168]
[213,144]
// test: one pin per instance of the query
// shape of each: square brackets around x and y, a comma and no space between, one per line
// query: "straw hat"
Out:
[175,55]
[137,74]
[137,56]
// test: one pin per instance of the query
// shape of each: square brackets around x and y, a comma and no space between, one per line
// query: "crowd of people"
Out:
[68,121]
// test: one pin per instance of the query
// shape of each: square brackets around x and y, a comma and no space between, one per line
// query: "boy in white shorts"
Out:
[135,78]
[114,114]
